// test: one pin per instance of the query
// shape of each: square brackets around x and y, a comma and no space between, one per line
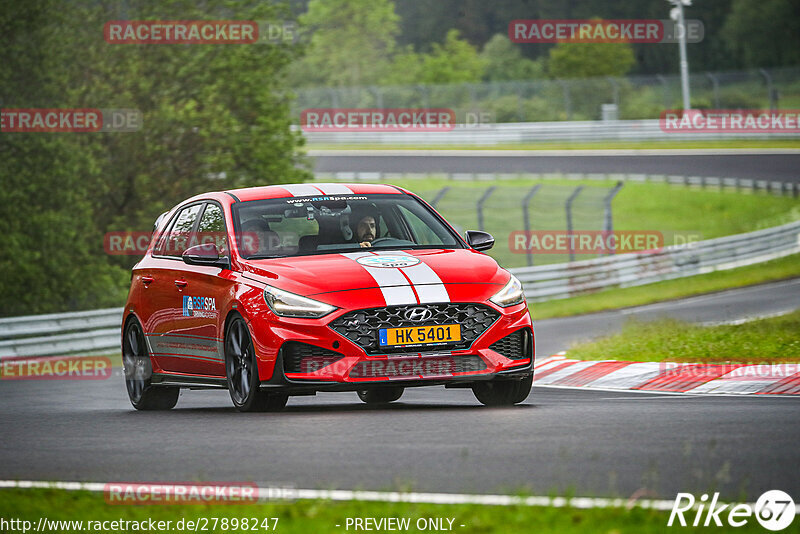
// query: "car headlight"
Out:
[510,295]
[288,304]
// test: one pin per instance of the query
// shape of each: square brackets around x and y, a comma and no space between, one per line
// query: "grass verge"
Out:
[779,269]
[324,516]
[772,340]
[681,214]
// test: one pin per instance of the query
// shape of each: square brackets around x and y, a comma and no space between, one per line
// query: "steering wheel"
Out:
[384,239]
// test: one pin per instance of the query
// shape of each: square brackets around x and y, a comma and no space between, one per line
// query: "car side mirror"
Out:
[207,255]
[479,240]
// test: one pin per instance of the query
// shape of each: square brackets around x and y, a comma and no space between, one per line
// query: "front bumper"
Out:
[355,369]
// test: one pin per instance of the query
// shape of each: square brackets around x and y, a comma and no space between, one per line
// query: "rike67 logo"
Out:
[199,306]
[774,510]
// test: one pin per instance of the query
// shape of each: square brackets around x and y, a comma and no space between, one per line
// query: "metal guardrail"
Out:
[529,132]
[563,280]
[99,330]
[87,331]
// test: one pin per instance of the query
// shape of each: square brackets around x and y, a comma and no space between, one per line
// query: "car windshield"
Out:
[300,226]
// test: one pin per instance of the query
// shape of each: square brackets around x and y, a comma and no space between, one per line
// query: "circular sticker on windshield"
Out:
[388,261]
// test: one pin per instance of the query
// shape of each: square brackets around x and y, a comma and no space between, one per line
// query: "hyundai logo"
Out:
[418,314]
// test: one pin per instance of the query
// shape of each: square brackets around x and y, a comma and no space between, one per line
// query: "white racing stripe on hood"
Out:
[301,190]
[427,283]
[396,288]
[334,189]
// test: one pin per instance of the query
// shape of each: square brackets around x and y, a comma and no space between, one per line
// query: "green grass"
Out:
[607,145]
[675,211]
[323,516]
[771,340]
[779,269]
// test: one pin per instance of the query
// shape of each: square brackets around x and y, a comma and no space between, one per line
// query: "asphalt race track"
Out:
[563,440]
[780,166]
[554,335]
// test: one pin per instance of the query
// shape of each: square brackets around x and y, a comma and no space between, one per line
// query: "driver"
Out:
[366,231]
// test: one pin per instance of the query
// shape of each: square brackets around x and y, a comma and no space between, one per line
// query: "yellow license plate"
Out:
[418,335]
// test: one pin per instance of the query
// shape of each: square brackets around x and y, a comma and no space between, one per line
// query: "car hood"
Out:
[327,273]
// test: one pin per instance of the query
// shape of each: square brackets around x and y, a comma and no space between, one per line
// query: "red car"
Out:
[288,290]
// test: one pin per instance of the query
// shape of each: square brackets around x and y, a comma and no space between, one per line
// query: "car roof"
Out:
[311,189]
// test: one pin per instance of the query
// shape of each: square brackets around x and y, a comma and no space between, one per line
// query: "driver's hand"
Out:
[365,244]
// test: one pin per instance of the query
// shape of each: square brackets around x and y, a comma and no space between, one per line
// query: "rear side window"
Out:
[176,239]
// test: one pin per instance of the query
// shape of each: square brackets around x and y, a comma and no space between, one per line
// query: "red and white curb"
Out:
[665,377]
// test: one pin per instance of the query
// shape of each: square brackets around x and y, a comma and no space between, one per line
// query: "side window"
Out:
[212,228]
[422,232]
[179,234]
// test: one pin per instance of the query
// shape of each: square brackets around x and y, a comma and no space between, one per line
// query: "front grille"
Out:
[425,366]
[361,327]
[515,346]
[304,358]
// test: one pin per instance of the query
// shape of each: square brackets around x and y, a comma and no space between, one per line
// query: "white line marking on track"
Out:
[393,496]
[747,319]
[702,298]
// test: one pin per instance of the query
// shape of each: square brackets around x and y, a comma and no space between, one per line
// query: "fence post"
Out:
[615,85]
[472,95]
[334,97]
[608,220]
[378,96]
[568,209]
[715,86]
[567,100]
[425,100]
[480,203]
[526,218]
[667,99]
[771,96]
[442,192]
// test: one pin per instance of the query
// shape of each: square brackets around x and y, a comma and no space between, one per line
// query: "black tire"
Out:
[242,372]
[139,370]
[380,395]
[503,392]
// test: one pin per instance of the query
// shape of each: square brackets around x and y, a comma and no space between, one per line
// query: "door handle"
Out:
[181,283]
[147,280]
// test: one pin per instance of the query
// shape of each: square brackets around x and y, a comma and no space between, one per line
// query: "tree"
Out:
[504,61]
[52,253]
[351,42]
[764,34]
[455,61]
[215,117]
[587,60]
